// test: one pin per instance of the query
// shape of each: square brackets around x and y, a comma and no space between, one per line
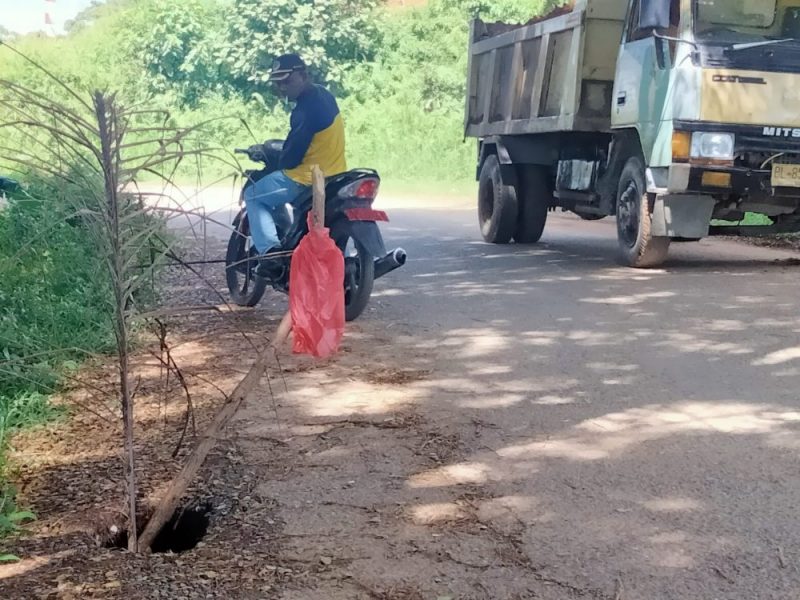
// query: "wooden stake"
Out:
[318,207]
[177,487]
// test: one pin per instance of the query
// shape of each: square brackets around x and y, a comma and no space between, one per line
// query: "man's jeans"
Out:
[266,199]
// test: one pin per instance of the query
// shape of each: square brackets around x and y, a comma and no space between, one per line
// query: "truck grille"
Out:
[763,160]
[758,142]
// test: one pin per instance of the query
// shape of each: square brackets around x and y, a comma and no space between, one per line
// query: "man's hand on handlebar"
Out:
[254,152]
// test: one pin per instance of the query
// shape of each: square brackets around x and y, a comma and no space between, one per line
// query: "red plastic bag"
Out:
[316,295]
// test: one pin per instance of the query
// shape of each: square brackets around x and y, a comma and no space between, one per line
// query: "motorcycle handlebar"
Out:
[255,153]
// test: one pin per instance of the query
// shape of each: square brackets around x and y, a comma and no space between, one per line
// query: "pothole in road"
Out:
[186,529]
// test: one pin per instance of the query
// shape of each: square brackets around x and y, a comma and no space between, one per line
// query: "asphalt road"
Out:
[615,433]
[646,421]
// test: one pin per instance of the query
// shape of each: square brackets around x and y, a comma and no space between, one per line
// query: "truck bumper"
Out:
[684,178]
[686,196]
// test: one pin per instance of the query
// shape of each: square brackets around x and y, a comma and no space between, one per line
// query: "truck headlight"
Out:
[712,145]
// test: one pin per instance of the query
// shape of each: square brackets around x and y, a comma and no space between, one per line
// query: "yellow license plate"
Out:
[784,175]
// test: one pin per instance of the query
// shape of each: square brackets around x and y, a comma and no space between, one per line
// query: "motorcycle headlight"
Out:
[713,145]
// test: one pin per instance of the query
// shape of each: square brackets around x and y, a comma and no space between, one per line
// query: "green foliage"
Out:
[400,77]
[55,303]
[190,49]
[21,410]
[331,35]
[11,519]
[25,409]
[88,16]
[404,112]
[9,558]
[53,312]
[77,240]
[177,44]
[399,74]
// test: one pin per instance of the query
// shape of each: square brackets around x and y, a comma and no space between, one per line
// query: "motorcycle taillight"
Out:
[364,189]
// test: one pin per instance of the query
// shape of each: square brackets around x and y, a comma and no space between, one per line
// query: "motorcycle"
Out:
[6,186]
[349,216]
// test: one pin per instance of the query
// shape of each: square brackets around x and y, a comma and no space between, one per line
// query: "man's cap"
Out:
[284,66]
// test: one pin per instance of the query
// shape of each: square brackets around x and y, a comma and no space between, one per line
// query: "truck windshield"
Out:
[745,21]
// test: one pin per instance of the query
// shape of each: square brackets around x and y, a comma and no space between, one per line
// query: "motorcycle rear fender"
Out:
[366,232]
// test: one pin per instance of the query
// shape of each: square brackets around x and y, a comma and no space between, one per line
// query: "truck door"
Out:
[643,74]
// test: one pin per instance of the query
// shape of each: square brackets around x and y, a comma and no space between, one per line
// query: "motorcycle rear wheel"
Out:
[359,275]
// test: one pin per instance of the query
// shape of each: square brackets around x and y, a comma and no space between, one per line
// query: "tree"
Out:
[331,35]
[90,154]
[423,56]
[84,18]
[175,43]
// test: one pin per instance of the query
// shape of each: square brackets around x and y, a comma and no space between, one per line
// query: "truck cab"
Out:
[678,117]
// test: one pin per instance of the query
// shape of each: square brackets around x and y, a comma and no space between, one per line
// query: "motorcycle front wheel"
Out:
[245,288]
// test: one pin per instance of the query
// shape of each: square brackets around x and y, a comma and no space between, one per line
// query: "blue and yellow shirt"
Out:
[316,137]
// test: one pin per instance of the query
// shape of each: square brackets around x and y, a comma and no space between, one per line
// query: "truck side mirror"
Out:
[654,14]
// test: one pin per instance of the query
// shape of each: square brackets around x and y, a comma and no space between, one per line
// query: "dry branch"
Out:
[176,489]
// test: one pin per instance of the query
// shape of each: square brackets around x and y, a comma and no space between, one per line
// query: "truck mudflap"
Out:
[681,216]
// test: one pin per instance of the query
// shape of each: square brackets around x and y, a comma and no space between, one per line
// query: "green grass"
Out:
[53,312]
[23,410]
[749,219]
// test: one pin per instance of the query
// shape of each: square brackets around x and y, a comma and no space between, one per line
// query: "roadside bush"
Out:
[54,310]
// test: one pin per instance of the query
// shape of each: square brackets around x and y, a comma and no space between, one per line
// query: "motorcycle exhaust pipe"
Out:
[394,260]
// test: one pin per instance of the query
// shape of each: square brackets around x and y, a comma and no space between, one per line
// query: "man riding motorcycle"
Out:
[316,137]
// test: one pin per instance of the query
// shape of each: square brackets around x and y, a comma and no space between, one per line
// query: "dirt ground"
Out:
[307,491]
[481,435]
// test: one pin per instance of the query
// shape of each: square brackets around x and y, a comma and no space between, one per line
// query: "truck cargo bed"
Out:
[554,74]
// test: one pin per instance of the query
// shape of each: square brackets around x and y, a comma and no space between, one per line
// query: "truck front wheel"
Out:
[497,204]
[638,247]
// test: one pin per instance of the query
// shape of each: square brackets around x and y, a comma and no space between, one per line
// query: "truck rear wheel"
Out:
[535,197]
[638,247]
[497,204]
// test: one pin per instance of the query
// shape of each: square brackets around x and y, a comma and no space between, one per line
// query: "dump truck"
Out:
[677,117]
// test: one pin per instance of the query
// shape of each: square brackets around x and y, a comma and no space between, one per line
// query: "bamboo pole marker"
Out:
[177,487]
[318,206]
